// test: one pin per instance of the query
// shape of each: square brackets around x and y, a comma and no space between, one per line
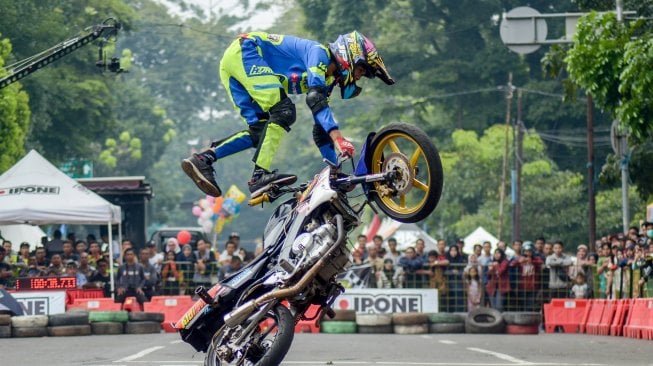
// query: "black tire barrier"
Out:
[344,316]
[29,332]
[108,316]
[146,317]
[142,327]
[447,328]
[411,329]
[522,318]
[5,319]
[102,328]
[29,321]
[338,327]
[410,319]
[74,318]
[5,331]
[484,321]
[447,318]
[69,330]
[373,319]
[376,329]
[522,329]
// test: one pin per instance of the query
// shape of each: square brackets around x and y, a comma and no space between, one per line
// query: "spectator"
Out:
[559,264]
[71,271]
[124,245]
[436,268]
[31,270]
[378,243]
[477,250]
[373,257]
[54,246]
[80,247]
[234,237]
[68,253]
[604,273]
[514,301]
[186,264]
[170,275]
[580,289]
[473,288]
[10,256]
[419,249]
[245,255]
[42,261]
[84,267]
[485,258]
[23,253]
[233,266]
[130,278]
[411,263]
[529,267]
[460,243]
[454,272]
[205,264]
[645,267]
[392,253]
[5,270]
[357,257]
[101,277]
[580,262]
[442,248]
[150,273]
[539,248]
[94,253]
[56,267]
[172,244]
[472,262]
[390,276]
[229,251]
[156,257]
[360,244]
[498,283]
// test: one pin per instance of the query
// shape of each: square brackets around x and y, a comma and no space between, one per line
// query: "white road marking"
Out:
[501,356]
[445,341]
[426,336]
[177,341]
[321,363]
[139,354]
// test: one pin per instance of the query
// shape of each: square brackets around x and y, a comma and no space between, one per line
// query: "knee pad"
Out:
[255,131]
[320,136]
[283,113]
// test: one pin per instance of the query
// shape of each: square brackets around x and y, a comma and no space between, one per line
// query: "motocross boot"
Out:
[199,168]
[262,180]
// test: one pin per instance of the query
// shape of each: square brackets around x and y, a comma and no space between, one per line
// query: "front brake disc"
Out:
[399,163]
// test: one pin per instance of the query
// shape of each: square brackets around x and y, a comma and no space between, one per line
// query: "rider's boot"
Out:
[262,180]
[199,168]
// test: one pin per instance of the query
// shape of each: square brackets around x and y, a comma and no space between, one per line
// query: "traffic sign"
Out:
[523,30]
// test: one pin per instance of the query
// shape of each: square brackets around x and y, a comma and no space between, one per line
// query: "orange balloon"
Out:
[183,237]
[217,205]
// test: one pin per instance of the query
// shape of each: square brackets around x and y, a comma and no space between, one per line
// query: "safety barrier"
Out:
[99,304]
[631,318]
[91,293]
[172,307]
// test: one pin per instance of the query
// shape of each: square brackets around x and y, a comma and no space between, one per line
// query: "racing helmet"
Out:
[351,50]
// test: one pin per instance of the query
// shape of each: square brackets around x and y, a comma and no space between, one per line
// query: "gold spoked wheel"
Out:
[406,150]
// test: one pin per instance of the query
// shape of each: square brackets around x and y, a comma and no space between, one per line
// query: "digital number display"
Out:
[45,283]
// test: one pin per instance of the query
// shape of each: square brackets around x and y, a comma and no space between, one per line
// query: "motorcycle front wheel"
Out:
[407,150]
[266,346]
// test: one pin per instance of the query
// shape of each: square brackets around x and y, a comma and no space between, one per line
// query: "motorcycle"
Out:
[249,318]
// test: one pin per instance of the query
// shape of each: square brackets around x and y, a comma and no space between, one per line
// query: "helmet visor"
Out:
[378,68]
[350,91]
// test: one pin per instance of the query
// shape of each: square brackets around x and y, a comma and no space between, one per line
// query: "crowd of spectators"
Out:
[516,277]
[141,273]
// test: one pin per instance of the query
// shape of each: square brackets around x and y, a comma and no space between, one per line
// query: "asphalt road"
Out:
[166,349]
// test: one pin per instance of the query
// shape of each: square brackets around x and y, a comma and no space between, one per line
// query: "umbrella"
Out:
[8,304]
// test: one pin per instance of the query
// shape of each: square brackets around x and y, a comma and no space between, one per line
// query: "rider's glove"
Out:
[345,147]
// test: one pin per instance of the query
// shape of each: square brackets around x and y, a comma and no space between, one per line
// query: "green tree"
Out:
[14,116]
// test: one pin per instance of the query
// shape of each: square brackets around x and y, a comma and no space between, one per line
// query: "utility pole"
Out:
[590,173]
[502,188]
[624,150]
[519,160]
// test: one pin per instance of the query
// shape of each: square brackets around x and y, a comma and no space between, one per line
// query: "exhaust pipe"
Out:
[242,312]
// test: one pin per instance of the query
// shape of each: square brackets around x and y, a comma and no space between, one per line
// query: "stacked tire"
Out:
[410,323]
[5,325]
[107,322]
[446,323]
[69,324]
[344,322]
[29,326]
[143,323]
[522,322]
[374,323]
[484,321]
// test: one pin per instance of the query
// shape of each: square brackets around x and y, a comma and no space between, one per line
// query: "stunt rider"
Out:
[259,70]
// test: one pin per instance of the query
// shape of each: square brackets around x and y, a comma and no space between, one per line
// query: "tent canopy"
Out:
[406,234]
[35,192]
[22,233]
[479,236]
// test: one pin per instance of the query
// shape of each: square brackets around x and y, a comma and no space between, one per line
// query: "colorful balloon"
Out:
[183,237]
[197,210]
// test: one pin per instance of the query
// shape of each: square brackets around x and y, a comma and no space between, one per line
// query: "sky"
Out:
[258,20]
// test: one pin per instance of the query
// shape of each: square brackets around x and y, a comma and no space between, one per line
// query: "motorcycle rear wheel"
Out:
[270,348]
[407,149]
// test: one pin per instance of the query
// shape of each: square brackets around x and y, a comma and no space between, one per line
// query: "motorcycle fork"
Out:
[255,321]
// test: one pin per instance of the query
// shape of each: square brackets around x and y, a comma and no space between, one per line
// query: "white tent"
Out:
[479,236]
[406,234]
[35,192]
[22,233]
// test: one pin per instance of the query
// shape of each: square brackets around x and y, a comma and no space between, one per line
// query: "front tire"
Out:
[408,150]
[264,351]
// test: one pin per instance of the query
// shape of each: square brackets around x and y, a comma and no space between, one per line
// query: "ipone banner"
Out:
[41,303]
[386,301]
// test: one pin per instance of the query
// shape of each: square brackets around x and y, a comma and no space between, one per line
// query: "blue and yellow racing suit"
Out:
[258,70]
